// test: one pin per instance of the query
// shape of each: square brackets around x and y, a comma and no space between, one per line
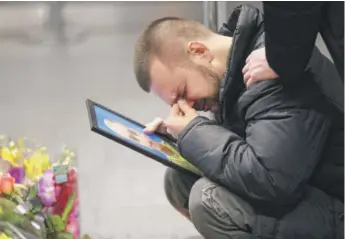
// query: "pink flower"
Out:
[73,221]
[73,227]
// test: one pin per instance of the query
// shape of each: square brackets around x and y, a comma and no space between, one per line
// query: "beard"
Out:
[213,81]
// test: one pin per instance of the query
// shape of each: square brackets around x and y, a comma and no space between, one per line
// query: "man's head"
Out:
[177,58]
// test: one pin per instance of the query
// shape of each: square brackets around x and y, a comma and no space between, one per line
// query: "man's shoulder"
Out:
[269,96]
[242,14]
[266,90]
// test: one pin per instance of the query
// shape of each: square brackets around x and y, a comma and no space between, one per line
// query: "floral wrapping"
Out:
[38,197]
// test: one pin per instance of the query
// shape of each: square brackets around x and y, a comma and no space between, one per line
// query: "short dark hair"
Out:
[151,40]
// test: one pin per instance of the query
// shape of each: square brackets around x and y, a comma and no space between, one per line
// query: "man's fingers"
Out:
[184,107]
[246,77]
[249,82]
[175,110]
[154,125]
[156,121]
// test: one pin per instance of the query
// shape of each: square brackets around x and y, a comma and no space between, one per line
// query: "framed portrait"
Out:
[129,133]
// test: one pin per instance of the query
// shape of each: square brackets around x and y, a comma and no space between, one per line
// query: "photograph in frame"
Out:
[130,133]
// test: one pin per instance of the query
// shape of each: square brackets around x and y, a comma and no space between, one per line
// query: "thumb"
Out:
[174,111]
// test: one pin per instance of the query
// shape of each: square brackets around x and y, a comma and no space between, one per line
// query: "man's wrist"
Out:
[189,127]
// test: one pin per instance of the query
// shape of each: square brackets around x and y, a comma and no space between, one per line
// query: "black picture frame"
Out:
[90,104]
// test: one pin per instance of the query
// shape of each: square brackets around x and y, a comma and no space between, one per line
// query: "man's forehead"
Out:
[162,81]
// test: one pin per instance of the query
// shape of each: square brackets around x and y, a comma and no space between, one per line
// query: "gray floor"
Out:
[43,89]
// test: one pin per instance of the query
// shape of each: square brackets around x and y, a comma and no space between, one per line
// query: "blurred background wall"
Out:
[53,56]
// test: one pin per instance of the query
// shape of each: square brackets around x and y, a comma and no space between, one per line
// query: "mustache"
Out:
[199,104]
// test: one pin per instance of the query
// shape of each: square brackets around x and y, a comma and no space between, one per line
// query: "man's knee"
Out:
[171,185]
[177,187]
[217,213]
[200,206]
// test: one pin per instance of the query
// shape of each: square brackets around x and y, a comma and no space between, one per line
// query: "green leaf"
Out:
[36,209]
[7,204]
[64,235]
[49,222]
[58,223]
[17,199]
[30,215]
[19,221]
[32,192]
[68,207]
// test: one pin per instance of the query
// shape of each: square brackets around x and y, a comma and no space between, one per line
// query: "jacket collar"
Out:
[243,25]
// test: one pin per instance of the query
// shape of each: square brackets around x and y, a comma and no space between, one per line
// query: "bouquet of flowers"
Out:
[38,196]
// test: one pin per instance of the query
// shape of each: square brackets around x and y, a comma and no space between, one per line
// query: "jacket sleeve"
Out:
[290,32]
[275,160]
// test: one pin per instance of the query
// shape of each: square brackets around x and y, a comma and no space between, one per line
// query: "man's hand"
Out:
[180,115]
[157,125]
[257,68]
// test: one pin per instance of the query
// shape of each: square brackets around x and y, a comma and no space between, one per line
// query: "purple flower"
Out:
[46,190]
[18,174]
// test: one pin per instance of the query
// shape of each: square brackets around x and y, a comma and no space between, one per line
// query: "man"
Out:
[264,157]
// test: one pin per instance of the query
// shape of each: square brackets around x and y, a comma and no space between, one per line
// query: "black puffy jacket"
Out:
[268,142]
[291,29]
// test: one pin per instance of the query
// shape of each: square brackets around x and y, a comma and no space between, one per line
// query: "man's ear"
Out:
[200,50]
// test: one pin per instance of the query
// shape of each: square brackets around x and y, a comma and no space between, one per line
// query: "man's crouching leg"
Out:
[218,213]
[214,211]
[177,186]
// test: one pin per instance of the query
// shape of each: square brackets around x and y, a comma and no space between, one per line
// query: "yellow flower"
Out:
[8,155]
[37,164]
[12,154]
[4,236]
